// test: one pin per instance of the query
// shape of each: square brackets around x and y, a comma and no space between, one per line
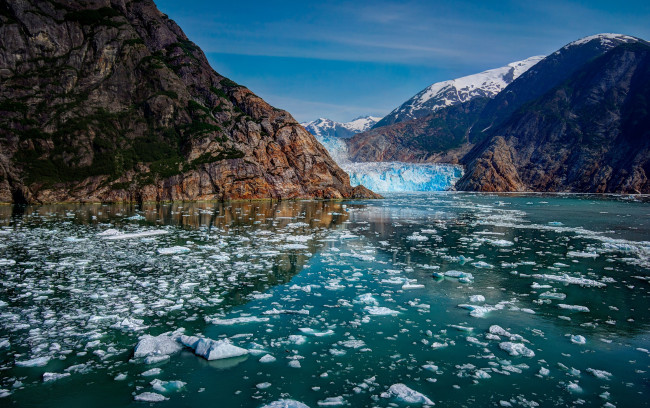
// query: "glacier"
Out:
[389,177]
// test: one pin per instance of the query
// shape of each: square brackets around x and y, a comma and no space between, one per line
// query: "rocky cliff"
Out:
[441,137]
[589,134]
[108,100]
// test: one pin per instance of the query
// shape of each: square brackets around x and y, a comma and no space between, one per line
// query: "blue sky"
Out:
[342,59]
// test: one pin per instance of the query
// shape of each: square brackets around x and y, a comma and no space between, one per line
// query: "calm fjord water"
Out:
[551,307]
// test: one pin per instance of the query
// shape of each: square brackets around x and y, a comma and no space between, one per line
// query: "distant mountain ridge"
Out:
[486,84]
[323,127]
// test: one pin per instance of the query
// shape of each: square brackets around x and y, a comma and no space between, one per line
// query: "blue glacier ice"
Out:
[393,176]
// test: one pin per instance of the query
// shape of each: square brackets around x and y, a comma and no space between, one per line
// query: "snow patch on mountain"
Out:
[447,93]
[325,127]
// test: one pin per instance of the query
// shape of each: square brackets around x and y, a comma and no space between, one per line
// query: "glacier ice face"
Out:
[403,177]
[392,177]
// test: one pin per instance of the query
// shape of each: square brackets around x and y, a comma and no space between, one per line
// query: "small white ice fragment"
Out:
[267,359]
[332,402]
[173,250]
[285,403]
[34,362]
[150,397]
[578,339]
[47,377]
[516,349]
[577,308]
[477,298]
[380,311]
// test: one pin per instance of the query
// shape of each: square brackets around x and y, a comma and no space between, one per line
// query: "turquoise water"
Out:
[74,301]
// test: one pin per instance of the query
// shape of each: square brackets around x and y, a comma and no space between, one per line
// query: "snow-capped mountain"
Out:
[607,41]
[447,93]
[325,127]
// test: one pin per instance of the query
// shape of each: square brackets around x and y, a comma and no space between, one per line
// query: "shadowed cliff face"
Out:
[590,134]
[109,101]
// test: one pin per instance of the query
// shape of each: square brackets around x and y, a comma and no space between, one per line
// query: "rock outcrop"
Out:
[108,100]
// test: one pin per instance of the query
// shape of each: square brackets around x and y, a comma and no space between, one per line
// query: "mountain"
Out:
[440,95]
[325,127]
[437,138]
[590,133]
[545,75]
[108,100]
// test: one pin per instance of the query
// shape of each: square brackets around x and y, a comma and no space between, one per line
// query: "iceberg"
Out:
[212,349]
[407,395]
[285,403]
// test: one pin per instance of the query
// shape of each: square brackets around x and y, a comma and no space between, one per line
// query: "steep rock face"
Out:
[107,100]
[590,134]
[443,94]
[441,137]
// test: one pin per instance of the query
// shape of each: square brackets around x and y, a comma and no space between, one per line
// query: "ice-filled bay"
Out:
[357,303]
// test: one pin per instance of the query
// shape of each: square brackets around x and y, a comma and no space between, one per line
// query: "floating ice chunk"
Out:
[7,262]
[294,246]
[366,299]
[543,371]
[34,362]
[478,311]
[218,349]
[536,285]
[459,275]
[481,375]
[578,254]
[150,397]
[570,280]
[516,349]
[577,308]
[294,364]
[407,286]
[430,367]
[405,394]
[380,311]
[600,374]
[152,372]
[285,403]
[353,343]
[573,387]
[332,402]
[482,265]
[167,386]
[3,303]
[578,339]
[275,311]
[47,377]
[500,242]
[417,237]
[237,320]
[477,298]
[462,328]
[263,386]
[312,332]
[173,250]
[436,345]
[4,343]
[130,324]
[553,295]
[114,234]
[156,346]
[120,377]
[267,359]
[297,339]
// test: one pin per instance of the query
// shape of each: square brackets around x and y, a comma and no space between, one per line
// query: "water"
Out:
[359,273]
[392,177]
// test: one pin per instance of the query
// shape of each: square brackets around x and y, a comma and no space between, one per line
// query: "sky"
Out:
[344,59]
